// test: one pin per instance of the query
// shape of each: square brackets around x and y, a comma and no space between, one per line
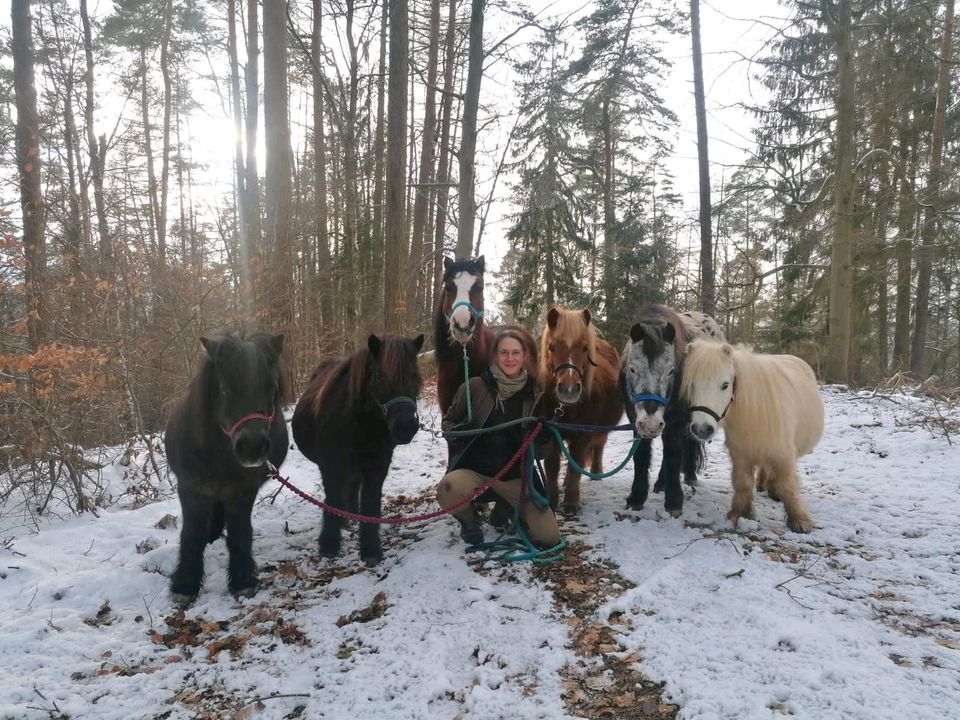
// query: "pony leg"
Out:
[641,475]
[788,488]
[767,481]
[371,504]
[692,459]
[742,478]
[335,489]
[551,466]
[596,462]
[242,570]
[188,577]
[580,449]
[673,436]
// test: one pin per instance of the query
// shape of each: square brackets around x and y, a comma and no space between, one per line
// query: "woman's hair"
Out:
[503,334]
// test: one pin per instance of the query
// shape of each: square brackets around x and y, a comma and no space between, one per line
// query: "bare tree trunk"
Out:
[928,230]
[443,162]
[156,241]
[841,254]
[251,184]
[708,293]
[468,140]
[609,210]
[379,140]
[278,206]
[324,289]
[351,202]
[420,237]
[98,158]
[905,235]
[243,211]
[167,104]
[28,166]
[394,301]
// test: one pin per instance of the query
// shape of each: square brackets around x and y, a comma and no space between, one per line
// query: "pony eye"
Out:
[551,348]
[725,386]
[633,371]
[672,372]
[584,348]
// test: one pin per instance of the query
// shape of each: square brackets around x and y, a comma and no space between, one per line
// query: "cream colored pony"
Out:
[771,412]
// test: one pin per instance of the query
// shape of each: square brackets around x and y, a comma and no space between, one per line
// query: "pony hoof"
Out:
[372,560]
[800,524]
[674,513]
[183,600]
[247,592]
[570,511]
[634,505]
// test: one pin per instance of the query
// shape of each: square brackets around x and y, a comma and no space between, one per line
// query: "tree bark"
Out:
[420,236]
[98,157]
[468,139]
[167,106]
[251,182]
[841,254]
[443,162]
[904,246]
[394,301]
[708,302]
[148,151]
[928,229]
[28,166]
[323,275]
[278,196]
[243,212]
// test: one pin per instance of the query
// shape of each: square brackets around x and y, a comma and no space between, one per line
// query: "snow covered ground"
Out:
[858,620]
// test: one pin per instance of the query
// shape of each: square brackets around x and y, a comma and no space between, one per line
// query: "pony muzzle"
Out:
[251,447]
[649,426]
[702,431]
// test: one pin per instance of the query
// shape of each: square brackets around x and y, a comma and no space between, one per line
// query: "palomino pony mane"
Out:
[757,392]
[575,330]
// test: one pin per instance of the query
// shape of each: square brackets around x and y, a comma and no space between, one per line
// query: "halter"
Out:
[641,397]
[231,431]
[478,314]
[567,366]
[711,413]
[398,400]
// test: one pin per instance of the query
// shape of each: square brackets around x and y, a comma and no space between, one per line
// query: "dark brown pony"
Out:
[218,440]
[349,420]
[458,324]
[578,376]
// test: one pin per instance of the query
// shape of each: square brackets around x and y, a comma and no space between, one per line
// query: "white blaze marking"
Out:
[461,315]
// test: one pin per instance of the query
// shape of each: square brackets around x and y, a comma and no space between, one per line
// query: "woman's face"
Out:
[510,356]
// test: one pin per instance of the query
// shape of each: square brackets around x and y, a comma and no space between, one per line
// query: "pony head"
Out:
[709,380]
[245,391]
[650,367]
[462,302]
[568,347]
[395,382]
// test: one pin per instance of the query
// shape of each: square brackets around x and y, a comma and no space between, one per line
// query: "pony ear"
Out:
[586,316]
[636,332]
[480,263]
[552,316]
[668,333]
[276,342]
[418,342]
[447,265]
[212,346]
[727,349]
[373,345]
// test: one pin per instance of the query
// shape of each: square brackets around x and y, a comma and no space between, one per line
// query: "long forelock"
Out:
[574,330]
[705,362]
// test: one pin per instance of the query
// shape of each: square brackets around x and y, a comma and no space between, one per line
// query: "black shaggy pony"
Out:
[219,438]
[348,421]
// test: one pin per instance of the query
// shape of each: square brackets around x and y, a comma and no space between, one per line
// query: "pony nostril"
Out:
[250,448]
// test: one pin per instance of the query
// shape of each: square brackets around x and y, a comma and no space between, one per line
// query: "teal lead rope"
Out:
[513,544]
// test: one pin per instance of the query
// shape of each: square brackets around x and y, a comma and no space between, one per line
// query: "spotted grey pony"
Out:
[650,369]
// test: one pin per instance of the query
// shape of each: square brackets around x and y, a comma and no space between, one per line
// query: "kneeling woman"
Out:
[500,394]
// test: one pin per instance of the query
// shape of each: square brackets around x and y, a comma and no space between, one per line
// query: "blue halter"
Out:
[641,397]
[473,311]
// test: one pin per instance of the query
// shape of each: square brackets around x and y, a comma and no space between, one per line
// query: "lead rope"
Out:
[466,382]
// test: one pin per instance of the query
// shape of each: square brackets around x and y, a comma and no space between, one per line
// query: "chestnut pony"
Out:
[578,376]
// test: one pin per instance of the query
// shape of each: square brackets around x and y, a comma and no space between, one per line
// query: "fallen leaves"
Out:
[377,607]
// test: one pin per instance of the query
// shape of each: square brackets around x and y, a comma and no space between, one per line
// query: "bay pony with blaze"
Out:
[771,411]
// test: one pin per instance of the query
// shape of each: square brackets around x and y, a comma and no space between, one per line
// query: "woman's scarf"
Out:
[507,386]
